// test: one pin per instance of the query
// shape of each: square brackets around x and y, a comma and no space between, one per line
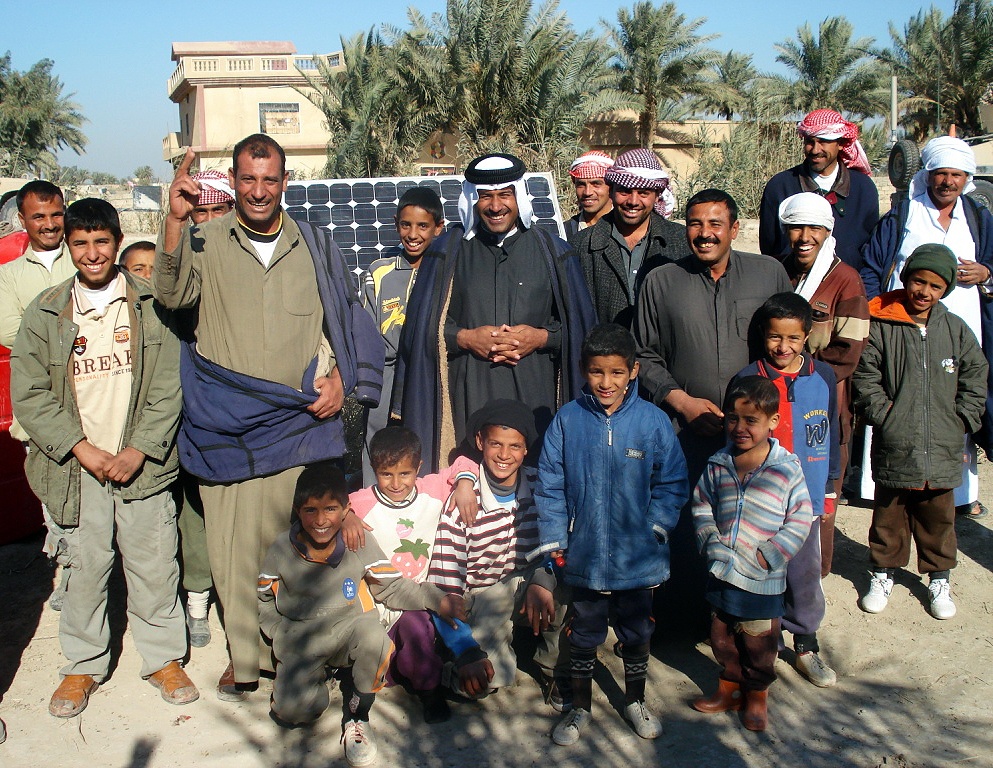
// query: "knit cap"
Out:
[936,258]
[504,413]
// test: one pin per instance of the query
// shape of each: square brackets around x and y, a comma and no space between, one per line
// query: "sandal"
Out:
[975,511]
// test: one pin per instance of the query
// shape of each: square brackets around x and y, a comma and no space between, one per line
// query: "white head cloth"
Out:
[944,152]
[813,210]
[470,195]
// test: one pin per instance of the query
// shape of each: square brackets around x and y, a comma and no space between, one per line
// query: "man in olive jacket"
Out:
[95,384]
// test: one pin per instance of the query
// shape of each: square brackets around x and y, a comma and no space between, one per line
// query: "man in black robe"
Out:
[502,302]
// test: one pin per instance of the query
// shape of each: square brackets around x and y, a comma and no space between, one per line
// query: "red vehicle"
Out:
[20,514]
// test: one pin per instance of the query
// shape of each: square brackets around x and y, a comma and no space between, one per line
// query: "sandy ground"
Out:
[912,692]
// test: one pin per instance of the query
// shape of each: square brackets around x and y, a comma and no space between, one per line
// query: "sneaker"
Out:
[570,727]
[645,724]
[941,606]
[812,667]
[880,587]
[360,749]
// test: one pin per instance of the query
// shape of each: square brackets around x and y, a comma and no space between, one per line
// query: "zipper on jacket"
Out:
[926,399]
[610,433]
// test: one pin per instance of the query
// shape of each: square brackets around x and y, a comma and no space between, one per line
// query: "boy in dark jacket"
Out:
[920,384]
[611,483]
[808,427]
[95,383]
[317,602]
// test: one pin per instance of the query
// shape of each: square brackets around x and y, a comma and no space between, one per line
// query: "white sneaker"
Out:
[645,724]
[570,727]
[360,749]
[941,606]
[812,666]
[880,587]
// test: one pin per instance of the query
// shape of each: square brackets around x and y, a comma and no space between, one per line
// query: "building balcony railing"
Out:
[212,67]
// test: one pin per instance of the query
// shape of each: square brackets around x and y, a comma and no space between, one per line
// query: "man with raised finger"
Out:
[278,341]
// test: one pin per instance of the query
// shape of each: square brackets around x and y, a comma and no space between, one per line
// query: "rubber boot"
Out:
[755,716]
[727,698]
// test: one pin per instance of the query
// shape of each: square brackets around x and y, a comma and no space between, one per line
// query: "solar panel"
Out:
[359,212]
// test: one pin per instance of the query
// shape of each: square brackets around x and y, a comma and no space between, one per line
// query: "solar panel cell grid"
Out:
[359,213]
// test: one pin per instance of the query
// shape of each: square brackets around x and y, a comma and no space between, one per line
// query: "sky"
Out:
[114,56]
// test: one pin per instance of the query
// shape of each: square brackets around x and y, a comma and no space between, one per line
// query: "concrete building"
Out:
[228,90]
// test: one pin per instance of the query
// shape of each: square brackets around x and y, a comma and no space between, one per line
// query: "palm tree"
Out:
[661,60]
[36,120]
[737,75]
[830,71]
[944,67]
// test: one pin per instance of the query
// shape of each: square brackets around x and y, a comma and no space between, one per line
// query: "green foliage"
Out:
[661,61]
[830,71]
[744,162]
[143,175]
[735,76]
[944,68]
[36,120]
[72,176]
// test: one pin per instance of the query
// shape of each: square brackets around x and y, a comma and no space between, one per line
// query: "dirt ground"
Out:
[912,692]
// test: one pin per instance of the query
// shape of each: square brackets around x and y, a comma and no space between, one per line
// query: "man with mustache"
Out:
[41,210]
[499,311]
[834,166]
[692,323]
[938,209]
[592,192]
[634,238]
[280,340]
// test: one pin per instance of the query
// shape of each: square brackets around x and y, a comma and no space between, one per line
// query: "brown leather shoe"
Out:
[72,695]
[229,690]
[174,684]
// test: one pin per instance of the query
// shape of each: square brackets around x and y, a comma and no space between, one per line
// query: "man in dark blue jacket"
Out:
[834,166]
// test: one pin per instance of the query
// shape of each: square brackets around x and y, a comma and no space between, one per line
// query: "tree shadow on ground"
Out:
[28,577]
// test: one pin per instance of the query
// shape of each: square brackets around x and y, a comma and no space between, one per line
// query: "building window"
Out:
[279,117]
[188,134]
[334,60]
[306,64]
[274,65]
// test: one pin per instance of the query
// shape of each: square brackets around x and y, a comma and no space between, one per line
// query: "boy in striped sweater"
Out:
[488,561]
[752,514]
[809,427]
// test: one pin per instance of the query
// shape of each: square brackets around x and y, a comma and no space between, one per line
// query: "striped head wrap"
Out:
[641,169]
[831,126]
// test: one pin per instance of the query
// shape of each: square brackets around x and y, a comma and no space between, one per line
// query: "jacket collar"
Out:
[890,308]
[766,370]
[603,231]
[842,183]
[56,298]
[590,403]
[777,455]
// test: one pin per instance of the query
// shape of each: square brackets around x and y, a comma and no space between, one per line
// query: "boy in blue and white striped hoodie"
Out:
[752,513]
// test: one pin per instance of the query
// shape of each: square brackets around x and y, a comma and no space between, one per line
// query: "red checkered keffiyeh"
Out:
[831,126]
[214,188]
[592,165]
[641,169]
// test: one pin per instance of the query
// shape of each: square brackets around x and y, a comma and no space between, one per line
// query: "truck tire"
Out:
[8,210]
[905,161]
[983,193]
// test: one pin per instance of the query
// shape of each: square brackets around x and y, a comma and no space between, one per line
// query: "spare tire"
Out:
[905,161]
[983,193]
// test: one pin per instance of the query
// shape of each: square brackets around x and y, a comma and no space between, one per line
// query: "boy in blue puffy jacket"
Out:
[611,482]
